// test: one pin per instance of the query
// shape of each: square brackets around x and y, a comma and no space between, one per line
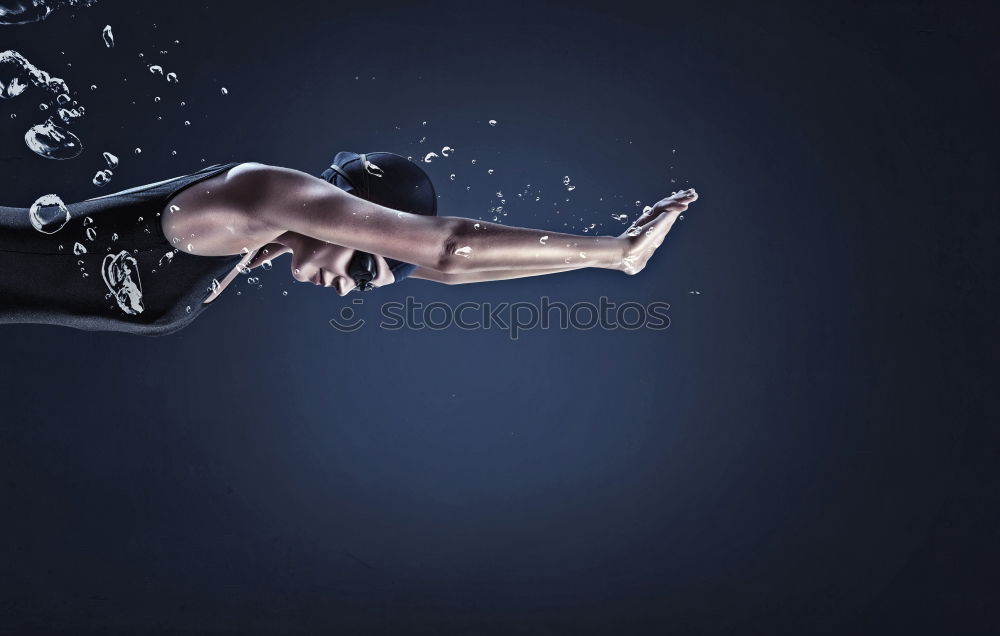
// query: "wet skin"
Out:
[255,207]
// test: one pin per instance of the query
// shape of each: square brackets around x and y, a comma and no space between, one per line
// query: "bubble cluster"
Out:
[49,139]
[27,11]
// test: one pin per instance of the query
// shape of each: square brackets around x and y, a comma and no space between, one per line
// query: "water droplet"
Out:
[284,293]
[111,160]
[91,234]
[566,181]
[43,107]
[173,153]
[464,251]
[52,141]
[571,188]
[48,214]
[430,156]
[490,171]
[373,169]
[476,226]
[172,78]
[79,249]
[102,178]
[451,176]
[62,99]
[543,239]
[109,37]
[93,87]
[187,123]
[156,69]
[493,122]
[188,309]
[156,99]
[114,236]
[138,151]
[224,91]
[638,203]
[447,150]
[267,265]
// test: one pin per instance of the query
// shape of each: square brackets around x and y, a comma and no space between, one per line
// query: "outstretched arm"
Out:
[289,200]
[486,275]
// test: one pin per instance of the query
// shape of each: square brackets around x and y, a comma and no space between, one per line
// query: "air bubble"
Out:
[102,178]
[48,214]
[52,141]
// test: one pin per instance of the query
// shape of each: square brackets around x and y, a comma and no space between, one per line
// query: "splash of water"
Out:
[49,140]
[27,11]
[17,74]
[121,275]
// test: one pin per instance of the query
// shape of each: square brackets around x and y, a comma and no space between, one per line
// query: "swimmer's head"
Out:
[389,180]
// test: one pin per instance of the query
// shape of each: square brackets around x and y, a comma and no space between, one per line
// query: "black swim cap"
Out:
[389,180]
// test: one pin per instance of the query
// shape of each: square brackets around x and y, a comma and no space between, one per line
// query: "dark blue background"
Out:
[804,450]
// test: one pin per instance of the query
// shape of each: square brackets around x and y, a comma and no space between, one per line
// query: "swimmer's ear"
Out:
[267,253]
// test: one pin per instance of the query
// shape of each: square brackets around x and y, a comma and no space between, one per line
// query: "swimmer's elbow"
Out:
[450,259]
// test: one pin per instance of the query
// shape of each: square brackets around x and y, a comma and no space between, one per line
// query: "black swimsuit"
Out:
[130,278]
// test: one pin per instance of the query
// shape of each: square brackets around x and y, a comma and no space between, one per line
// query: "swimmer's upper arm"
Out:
[218,215]
[290,200]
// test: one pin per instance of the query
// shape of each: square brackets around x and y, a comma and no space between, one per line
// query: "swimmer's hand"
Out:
[646,234]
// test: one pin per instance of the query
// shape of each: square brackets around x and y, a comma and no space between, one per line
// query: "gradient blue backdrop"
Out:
[804,450]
